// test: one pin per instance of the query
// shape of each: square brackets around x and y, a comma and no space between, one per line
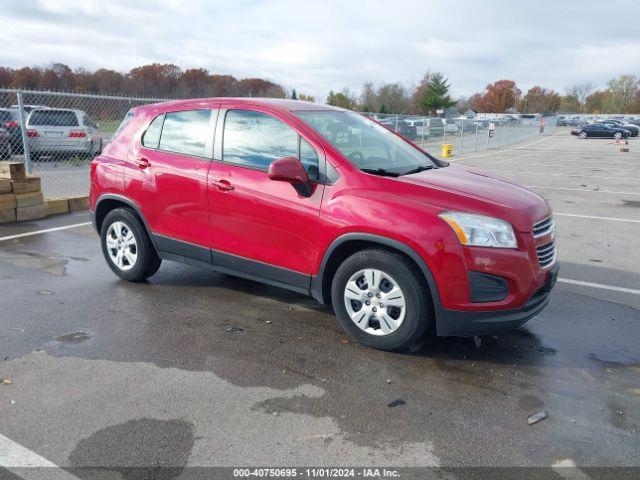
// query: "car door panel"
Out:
[171,190]
[262,220]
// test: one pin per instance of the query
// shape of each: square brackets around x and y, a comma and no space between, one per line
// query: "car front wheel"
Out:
[126,246]
[617,135]
[583,135]
[381,299]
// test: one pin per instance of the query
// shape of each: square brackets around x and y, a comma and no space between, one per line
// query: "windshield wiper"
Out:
[420,168]
[381,171]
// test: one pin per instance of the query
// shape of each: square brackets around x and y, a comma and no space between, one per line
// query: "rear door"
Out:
[262,227]
[167,177]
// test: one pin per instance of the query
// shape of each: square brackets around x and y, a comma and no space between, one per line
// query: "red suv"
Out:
[325,202]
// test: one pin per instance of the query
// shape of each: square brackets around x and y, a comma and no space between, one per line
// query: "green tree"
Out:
[343,99]
[436,95]
[294,95]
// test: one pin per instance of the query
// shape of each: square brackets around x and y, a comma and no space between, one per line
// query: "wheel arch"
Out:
[350,243]
[109,202]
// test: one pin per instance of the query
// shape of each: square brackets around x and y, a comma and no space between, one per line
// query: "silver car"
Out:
[58,131]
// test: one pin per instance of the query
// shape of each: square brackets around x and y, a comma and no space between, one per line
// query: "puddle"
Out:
[74,337]
[614,358]
[55,266]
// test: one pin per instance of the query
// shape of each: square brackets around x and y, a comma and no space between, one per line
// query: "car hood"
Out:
[481,192]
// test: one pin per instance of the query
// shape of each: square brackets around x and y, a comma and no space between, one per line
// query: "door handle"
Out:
[223,185]
[142,163]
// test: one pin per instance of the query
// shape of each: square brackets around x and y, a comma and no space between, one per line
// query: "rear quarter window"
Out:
[125,121]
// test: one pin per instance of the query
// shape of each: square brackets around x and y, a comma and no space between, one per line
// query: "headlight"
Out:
[480,231]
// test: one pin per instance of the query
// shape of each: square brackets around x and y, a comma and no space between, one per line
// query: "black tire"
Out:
[618,135]
[583,135]
[418,314]
[147,262]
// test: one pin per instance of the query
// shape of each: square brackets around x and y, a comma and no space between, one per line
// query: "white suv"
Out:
[59,131]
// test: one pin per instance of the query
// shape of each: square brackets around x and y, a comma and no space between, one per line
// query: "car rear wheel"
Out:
[126,246]
[381,299]
[617,135]
[583,135]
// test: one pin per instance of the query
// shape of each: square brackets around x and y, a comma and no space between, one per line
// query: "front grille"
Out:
[543,227]
[546,254]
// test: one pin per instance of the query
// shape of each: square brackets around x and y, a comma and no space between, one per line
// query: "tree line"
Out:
[622,95]
[432,93]
[155,80]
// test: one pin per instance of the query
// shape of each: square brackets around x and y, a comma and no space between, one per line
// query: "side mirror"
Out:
[288,169]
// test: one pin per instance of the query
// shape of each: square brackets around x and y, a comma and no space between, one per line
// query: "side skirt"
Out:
[191,254]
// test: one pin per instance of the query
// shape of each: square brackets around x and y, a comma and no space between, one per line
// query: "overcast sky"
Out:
[320,45]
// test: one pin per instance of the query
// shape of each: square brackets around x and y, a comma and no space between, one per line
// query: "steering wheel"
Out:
[356,156]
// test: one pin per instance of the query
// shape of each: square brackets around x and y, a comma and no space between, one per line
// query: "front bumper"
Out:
[467,323]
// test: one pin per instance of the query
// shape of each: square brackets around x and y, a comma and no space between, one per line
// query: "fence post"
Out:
[396,124]
[475,146]
[461,135]
[499,130]
[424,126]
[23,131]
[488,130]
[444,133]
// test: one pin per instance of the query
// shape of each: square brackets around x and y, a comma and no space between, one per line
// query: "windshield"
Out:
[366,144]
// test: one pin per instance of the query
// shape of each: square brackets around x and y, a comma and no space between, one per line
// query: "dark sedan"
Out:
[600,130]
[10,120]
[5,144]
[634,129]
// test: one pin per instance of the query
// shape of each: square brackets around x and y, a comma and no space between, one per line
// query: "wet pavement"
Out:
[194,368]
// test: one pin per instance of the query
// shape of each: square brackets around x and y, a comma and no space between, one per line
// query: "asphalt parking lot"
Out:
[195,368]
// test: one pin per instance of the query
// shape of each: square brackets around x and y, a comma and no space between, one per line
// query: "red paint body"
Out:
[241,211]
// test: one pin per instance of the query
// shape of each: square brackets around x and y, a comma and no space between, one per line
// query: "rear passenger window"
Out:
[151,138]
[256,139]
[186,132]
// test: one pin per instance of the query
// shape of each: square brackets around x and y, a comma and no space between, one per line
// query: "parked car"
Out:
[56,132]
[10,120]
[5,144]
[634,129]
[450,126]
[401,126]
[324,201]
[600,130]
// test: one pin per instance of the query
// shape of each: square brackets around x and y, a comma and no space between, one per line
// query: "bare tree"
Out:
[580,93]
[623,92]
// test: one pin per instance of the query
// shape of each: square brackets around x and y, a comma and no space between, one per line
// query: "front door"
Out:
[260,227]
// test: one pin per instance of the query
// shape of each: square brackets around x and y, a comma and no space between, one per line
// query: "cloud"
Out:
[318,46]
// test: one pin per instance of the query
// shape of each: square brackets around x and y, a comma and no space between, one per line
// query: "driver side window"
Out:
[255,139]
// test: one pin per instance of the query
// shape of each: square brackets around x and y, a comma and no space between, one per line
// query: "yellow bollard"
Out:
[447,150]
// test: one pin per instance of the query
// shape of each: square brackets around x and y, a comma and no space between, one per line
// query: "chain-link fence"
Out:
[466,135]
[57,134]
